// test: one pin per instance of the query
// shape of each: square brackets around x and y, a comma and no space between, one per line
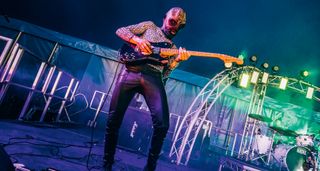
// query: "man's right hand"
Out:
[142,45]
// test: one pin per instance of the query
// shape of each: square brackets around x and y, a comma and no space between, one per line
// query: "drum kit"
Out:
[303,154]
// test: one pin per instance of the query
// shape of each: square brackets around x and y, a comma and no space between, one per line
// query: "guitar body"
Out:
[128,54]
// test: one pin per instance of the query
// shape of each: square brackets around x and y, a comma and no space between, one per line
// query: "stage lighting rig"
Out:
[253,58]
[265,65]
[275,69]
[283,83]
[304,74]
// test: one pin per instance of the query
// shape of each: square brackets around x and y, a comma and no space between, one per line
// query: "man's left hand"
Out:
[183,55]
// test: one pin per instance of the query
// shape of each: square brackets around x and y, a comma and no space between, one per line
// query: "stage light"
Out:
[244,79]
[228,65]
[254,77]
[304,74]
[310,93]
[283,83]
[241,56]
[275,68]
[265,77]
[265,65]
[253,58]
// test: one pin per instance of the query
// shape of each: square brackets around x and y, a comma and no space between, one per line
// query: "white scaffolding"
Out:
[192,121]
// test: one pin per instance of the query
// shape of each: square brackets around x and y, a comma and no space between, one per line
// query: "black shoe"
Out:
[151,162]
[107,162]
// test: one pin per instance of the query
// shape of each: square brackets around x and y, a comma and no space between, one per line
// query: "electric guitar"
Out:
[128,54]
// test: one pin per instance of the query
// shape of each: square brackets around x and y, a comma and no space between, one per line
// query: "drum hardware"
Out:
[304,140]
[294,157]
[303,154]
[298,156]
[261,146]
[279,154]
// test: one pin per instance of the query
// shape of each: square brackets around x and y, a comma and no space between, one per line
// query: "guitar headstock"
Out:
[228,60]
[238,61]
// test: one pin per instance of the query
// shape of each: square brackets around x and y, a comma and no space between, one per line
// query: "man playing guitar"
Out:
[145,78]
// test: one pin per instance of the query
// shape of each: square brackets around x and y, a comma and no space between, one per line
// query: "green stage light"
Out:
[283,83]
[244,80]
[304,74]
[275,68]
[253,58]
[265,65]
[243,55]
[310,91]
[265,77]
[254,77]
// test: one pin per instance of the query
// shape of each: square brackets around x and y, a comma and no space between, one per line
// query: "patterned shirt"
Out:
[152,33]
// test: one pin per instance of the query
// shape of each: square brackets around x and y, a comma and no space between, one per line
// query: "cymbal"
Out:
[260,118]
[285,132]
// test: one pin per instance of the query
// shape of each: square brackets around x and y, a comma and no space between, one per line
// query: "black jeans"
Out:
[150,85]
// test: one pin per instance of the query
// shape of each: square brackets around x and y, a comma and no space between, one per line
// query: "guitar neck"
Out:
[223,57]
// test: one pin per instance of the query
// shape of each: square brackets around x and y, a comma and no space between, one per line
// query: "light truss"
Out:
[192,121]
[189,127]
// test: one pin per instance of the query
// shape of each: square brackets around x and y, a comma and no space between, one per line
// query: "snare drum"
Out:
[304,140]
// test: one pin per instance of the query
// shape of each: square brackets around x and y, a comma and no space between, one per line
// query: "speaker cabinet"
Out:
[136,130]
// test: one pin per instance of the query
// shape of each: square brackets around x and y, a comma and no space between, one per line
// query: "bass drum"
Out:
[300,158]
[294,158]
[280,153]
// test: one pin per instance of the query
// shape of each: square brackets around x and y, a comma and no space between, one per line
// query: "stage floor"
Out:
[65,147]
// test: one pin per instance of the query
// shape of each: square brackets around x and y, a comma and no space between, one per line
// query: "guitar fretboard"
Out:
[225,58]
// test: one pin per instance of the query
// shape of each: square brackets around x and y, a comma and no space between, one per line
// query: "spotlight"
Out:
[265,65]
[283,83]
[275,68]
[310,92]
[265,77]
[253,58]
[244,79]
[228,64]
[241,56]
[304,74]
[254,77]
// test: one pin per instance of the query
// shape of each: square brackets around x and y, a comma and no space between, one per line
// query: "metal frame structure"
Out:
[246,150]
[10,58]
[6,48]
[9,63]
[189,128]
[102,101]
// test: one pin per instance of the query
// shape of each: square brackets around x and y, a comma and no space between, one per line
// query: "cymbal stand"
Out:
[270,148]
